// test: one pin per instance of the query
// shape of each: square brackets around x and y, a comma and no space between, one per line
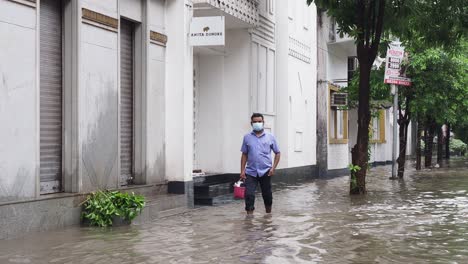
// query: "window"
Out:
[338,121]
[352,67]
[377,127]
[263,78]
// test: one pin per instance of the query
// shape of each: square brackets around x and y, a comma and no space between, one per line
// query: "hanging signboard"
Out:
[394,72]
[207,31]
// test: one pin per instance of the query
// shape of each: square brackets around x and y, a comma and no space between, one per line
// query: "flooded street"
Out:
[423,219]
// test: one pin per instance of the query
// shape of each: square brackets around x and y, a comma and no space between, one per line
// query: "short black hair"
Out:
[257,115]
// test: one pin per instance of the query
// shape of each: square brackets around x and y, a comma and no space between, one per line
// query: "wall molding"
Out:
[158,38]
[30,3]
[99,19]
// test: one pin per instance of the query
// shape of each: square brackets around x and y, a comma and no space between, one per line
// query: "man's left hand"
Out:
[271,173]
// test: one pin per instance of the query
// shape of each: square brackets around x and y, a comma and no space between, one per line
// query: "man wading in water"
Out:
[256,154]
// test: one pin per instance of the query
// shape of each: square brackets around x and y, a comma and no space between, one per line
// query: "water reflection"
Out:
[423,219]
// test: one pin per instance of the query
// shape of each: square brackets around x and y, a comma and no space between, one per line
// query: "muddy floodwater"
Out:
[423,219]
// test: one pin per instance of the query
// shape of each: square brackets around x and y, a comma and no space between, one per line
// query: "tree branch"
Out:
[360,16]
[370,26]
[378,29]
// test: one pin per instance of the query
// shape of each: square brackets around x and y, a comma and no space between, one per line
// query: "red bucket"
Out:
[239,192]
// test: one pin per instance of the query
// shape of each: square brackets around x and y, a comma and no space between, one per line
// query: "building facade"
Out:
[110,94]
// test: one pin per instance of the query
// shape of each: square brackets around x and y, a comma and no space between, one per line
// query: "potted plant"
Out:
[110,208]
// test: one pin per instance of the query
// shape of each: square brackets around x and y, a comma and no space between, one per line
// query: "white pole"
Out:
[395,129]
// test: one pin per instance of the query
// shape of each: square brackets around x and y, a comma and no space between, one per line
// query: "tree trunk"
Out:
[403,121]
[430,129]
[418,144]
[403,142]
[368,41]
[359,151]
[447,143]
[440,145]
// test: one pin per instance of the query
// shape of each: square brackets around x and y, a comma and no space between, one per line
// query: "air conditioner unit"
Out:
[339,99]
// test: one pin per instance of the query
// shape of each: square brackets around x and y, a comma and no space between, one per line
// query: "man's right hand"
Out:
[242,175]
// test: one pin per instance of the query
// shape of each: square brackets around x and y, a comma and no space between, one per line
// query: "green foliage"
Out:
[461,131]
[360,19]
[379,91]
[353,169]
[434,23]
[101,207]
[437,23]
[457,146]
[440,87]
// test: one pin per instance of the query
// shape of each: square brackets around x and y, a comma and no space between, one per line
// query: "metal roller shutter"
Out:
[50,96]
[126,101]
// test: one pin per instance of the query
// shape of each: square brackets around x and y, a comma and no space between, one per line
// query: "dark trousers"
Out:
[250,187]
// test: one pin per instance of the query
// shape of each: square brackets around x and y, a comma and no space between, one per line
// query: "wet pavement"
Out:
[423,219]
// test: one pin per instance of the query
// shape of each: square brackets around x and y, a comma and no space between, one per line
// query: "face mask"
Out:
[257,126]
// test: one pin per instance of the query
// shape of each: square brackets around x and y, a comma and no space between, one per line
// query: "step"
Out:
[215,179]
[213,189]
[217,200]
[162,205]
[146,190]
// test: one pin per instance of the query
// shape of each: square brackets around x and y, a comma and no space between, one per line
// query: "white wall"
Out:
[223,104]
[131,9]
[99,107]
[19,97]
[179,93]
[157,19]
[338,54]
[106,7]
[302,91]
[156,98]
[156,107]
[381,152]
[338,156]
[234,83]
[352,127]
[236,119]
[282,79]
[210,125]
[302,83]
[337,70]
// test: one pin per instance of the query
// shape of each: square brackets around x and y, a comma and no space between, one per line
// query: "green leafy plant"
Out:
[102,207]
[353,169]
[458,146]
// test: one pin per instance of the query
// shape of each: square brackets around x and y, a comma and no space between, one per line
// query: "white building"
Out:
[343,126]
[266,66]
[109,94]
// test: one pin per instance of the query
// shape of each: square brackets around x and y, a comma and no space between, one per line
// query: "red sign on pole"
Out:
[403,82]
[394,72]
